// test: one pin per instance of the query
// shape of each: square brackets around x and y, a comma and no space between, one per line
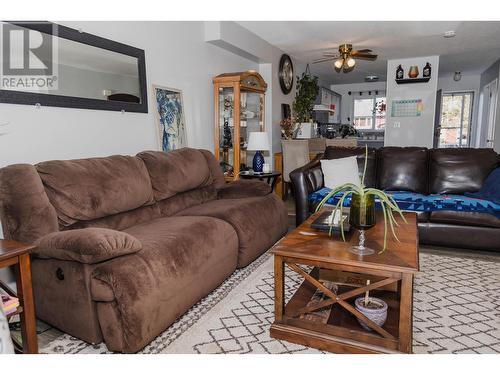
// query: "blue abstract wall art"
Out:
[170,118]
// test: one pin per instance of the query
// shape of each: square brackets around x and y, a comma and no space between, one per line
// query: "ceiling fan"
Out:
[345,58]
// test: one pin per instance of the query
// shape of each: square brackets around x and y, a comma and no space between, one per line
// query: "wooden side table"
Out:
[271,177]
[13,253]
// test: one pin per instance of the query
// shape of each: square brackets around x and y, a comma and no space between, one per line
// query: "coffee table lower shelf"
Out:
[324,341]
[339,331]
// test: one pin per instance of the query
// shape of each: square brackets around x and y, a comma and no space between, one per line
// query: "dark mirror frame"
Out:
[31,98]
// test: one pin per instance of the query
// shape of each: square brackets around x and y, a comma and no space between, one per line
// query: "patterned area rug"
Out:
[456,310]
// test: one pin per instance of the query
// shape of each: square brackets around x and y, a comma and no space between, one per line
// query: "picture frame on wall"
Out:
[170,119]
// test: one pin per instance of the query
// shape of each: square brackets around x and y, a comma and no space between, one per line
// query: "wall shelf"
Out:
[412,80]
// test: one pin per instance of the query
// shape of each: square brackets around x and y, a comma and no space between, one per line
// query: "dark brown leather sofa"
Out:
[127,244]
[420,170]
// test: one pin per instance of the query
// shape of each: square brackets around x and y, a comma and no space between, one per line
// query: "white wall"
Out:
[412,131]
[277,97]
[176,56]
[468,82]
[346,107]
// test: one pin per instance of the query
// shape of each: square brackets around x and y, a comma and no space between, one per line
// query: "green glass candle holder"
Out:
[362,217]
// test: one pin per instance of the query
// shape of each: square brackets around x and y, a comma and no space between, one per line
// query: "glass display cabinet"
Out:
[239,110]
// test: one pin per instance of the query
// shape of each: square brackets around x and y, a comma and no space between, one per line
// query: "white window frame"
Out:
[374,115]
[472,124]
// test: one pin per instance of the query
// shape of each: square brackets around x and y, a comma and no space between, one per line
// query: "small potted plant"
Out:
[362,210]
[373,308]
[287,127]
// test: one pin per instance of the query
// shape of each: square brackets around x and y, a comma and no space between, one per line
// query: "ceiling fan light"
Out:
[338,63]
[351,62]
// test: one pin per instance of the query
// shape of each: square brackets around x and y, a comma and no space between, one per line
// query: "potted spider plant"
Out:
[362,210]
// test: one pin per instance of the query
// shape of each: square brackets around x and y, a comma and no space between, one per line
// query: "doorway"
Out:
[455,119]
[489,97]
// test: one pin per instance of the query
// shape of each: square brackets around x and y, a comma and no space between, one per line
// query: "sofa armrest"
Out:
[305,180]
[244,189]
[89,245]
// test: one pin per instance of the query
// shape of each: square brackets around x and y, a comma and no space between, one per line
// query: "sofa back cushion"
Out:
[87,189]
[215,169]
[332,152]
[403,168]
[176,171]
[456,171]
[25,211]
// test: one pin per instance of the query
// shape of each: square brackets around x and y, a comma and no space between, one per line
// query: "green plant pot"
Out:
[362,211]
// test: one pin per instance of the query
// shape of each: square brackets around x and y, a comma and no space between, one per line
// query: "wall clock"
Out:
[285,73]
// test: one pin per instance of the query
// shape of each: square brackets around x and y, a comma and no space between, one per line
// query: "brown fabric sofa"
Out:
[127,244]
[419,170]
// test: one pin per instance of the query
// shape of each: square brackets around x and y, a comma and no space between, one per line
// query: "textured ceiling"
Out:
[474,48]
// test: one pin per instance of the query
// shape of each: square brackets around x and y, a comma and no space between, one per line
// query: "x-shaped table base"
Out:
[341,298]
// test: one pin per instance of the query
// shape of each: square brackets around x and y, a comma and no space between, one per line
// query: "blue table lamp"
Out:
[257,141]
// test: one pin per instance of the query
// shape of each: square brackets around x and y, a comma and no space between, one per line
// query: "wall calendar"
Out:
[407,108]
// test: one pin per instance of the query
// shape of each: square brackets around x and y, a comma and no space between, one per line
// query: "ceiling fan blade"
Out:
[324,59]
[330,54]
[362,50]
[364,56]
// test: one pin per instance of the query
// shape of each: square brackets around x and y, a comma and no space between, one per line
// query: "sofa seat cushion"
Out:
[182,260]
[259,222]
[465,218]
[88,189]
[409,201]
[461,203]
[406,200]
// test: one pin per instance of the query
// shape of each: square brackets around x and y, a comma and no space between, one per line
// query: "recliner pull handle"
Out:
[60,274]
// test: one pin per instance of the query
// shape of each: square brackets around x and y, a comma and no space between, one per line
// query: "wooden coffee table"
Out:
[331,323]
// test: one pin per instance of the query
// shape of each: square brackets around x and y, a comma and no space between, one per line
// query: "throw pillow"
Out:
[491,188]
[337,172]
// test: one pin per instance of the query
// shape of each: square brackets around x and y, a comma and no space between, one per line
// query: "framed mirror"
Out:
[75,69]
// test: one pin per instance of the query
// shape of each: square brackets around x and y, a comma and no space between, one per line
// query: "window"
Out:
[369,114]
[456,114]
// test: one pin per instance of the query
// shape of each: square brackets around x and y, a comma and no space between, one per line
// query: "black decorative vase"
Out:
[362,217]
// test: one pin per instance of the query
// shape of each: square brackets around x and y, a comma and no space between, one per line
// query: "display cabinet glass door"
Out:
[251,120]
[226,129]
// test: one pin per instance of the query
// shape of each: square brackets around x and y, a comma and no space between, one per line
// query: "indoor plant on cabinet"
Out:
[303,104]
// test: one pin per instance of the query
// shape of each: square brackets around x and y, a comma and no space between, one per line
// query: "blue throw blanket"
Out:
[408,201]
[490,189]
